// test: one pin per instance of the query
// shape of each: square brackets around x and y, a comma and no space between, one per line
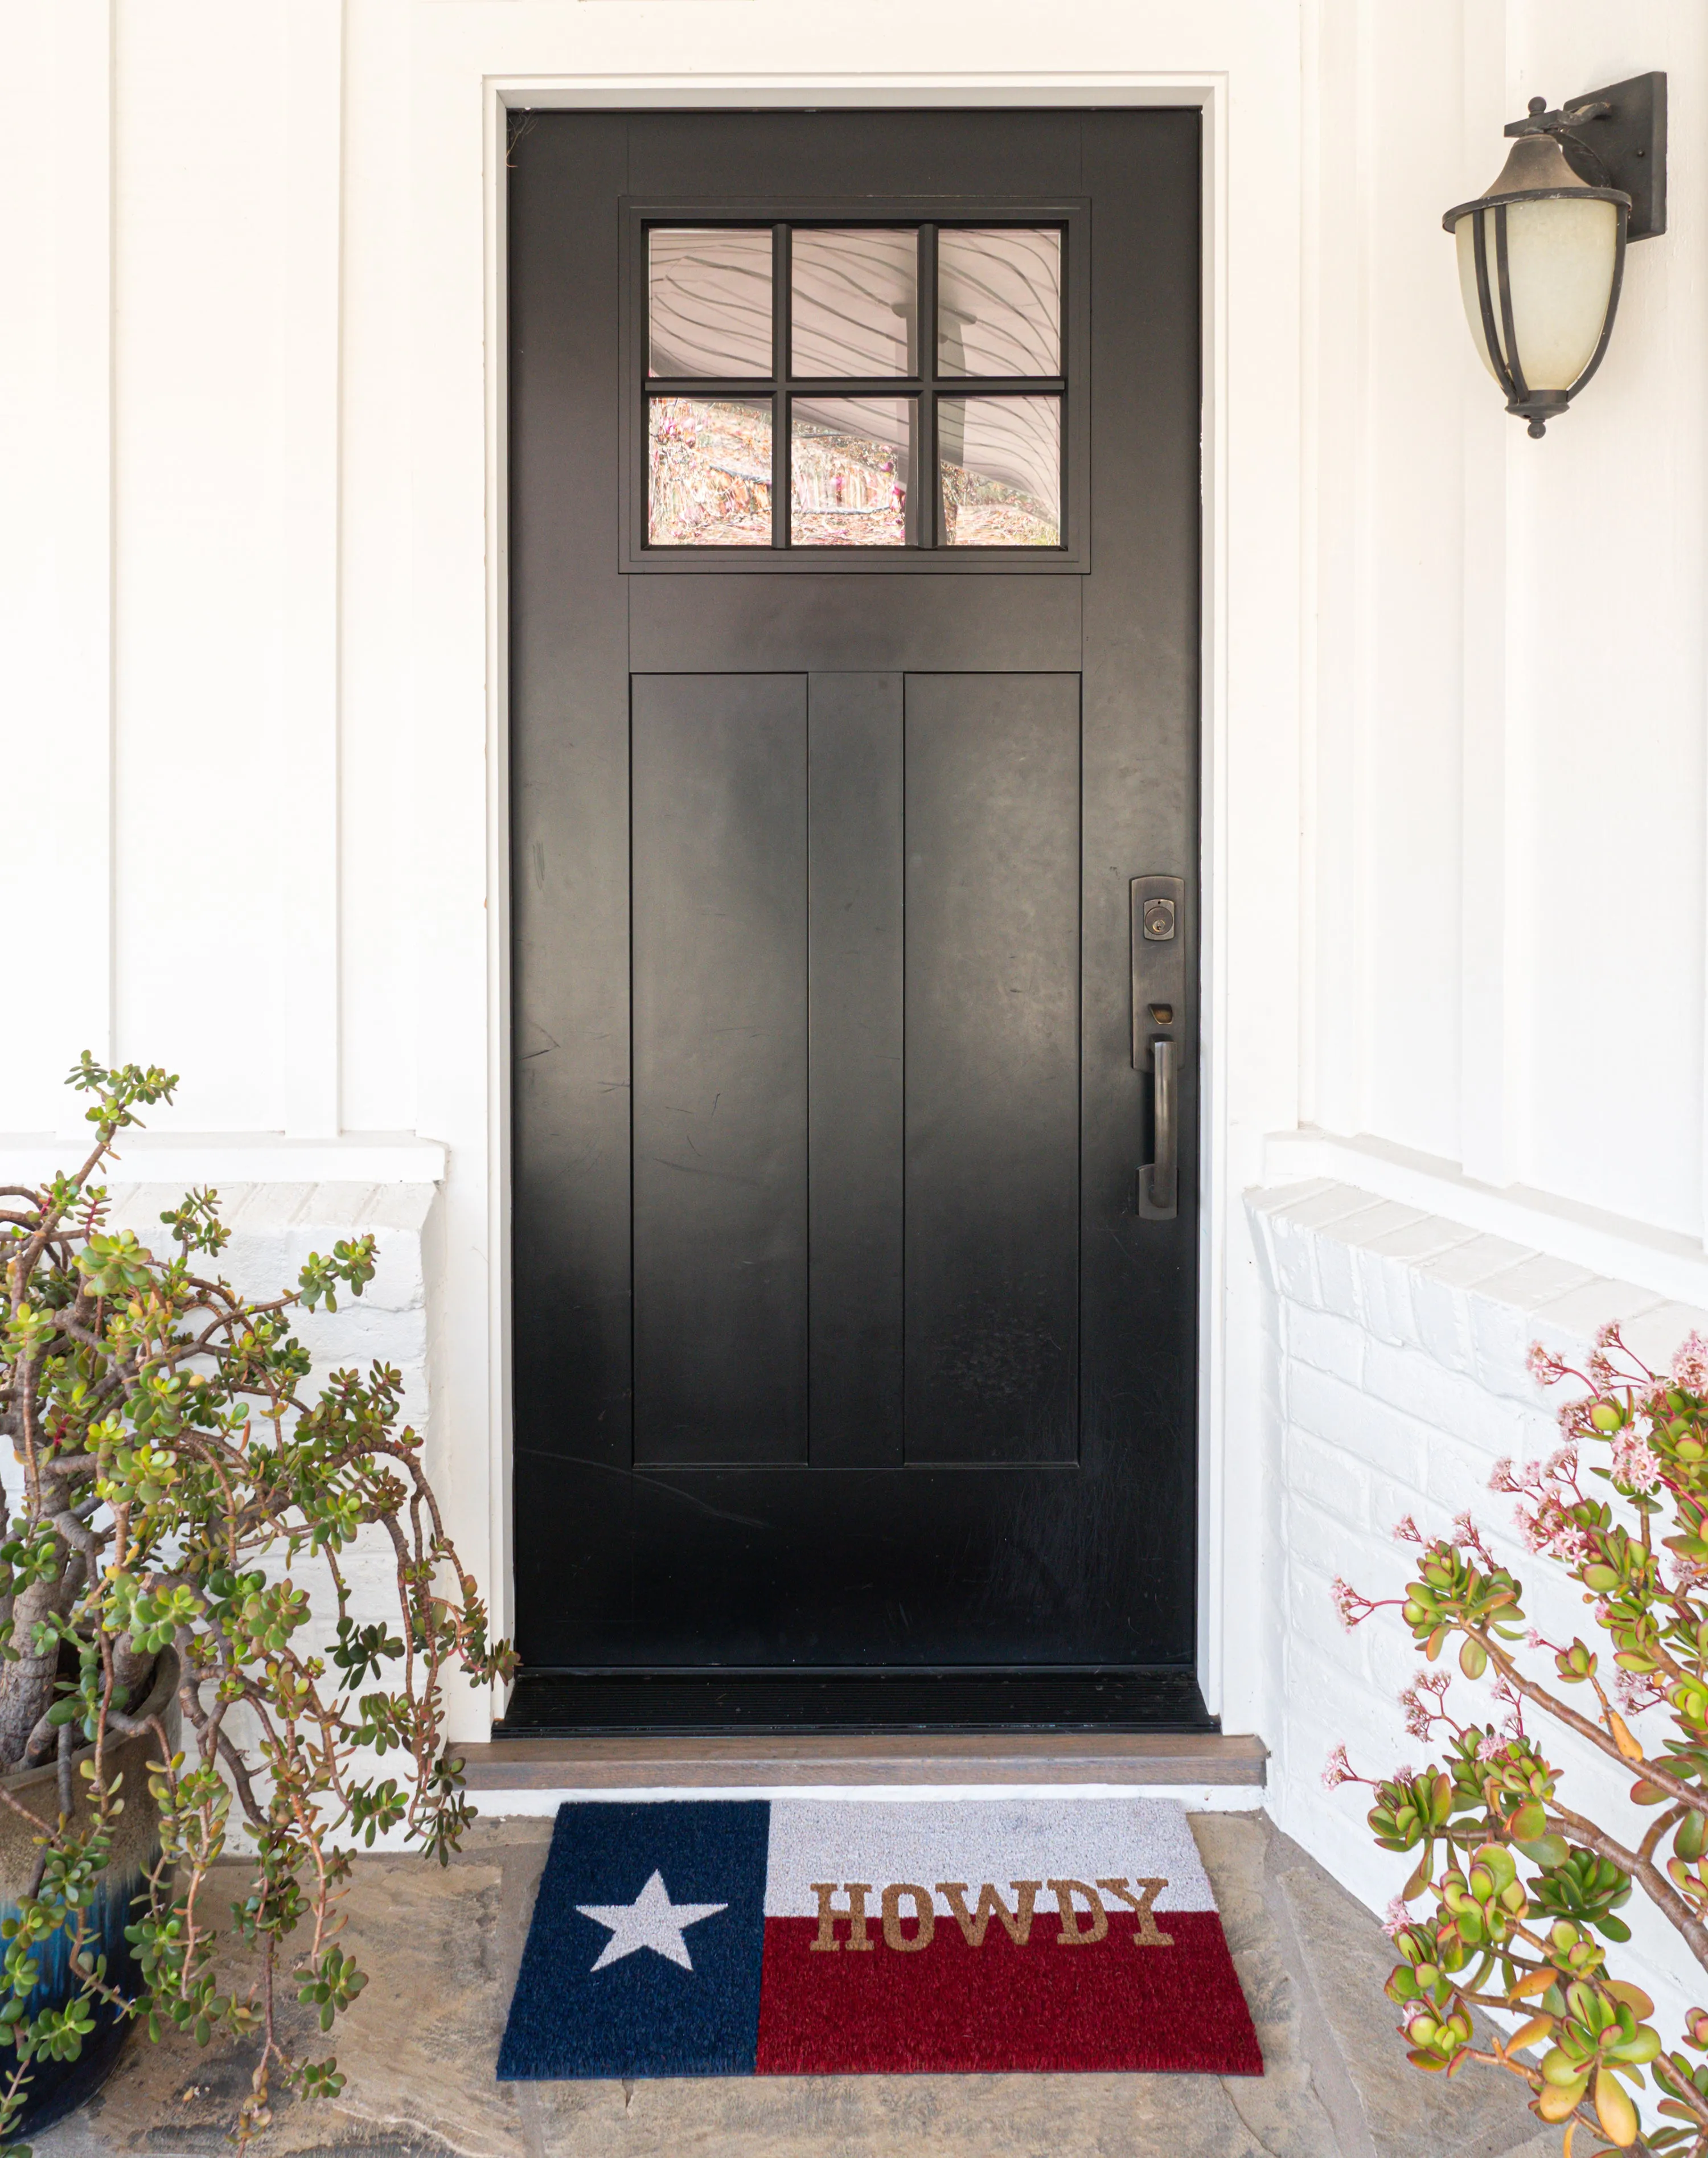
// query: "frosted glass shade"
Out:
[1561,254]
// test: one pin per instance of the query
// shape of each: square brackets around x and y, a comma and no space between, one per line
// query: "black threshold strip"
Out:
[557,1704]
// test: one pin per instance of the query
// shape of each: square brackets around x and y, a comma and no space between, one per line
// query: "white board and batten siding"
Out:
[251,716]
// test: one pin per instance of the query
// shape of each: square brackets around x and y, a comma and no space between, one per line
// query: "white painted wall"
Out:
[251,645]
[1504,721]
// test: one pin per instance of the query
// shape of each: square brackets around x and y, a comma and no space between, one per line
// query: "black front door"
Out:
[854,642]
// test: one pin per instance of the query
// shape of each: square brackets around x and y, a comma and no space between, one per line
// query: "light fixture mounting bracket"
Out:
[1614,138]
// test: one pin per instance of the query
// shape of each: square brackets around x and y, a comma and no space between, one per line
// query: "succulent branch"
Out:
[1521,1892]
[183,1485]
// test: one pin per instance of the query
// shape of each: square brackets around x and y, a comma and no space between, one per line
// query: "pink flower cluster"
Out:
[1544,1490]
[1547,1528]
[1339,1770]
[1635,1692]
[1537,1478]
[1352,1608]
[1635,1463]
[1422,1713]
[1690,1364]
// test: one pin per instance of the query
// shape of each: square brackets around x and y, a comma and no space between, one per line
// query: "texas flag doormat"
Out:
[795,1937]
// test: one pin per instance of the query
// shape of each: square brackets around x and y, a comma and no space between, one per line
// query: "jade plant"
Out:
[180,1489]
[1514,1899]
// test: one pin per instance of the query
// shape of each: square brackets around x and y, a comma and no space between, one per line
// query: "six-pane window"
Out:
[789,405]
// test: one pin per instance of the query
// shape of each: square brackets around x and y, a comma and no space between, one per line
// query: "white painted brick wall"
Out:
[274,1227]
[1398,1343]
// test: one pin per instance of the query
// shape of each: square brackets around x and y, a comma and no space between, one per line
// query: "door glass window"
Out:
[1000,459]
[823,369]
[999,303]
[849,464]
[708,471]
[854,302]
[709,302]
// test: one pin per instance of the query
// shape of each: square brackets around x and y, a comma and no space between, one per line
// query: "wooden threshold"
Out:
[993,1757]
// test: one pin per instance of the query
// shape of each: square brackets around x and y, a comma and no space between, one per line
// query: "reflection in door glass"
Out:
[999,303]
[1000,463]
[708,473]
[854,302]
[851,458]
[709,302]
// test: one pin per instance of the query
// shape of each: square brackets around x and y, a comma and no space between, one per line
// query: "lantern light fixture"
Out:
[1542,255]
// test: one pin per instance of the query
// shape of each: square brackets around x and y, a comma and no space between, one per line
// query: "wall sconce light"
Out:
[1542,255]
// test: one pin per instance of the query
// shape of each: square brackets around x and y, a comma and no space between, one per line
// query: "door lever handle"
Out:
[1158,924]
[1159,1180]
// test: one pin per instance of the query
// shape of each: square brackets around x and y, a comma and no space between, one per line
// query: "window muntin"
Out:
[899,349]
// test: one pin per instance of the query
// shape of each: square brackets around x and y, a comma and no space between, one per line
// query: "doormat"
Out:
[798,1937]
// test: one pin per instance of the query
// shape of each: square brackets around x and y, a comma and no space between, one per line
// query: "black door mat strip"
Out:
[559,1704]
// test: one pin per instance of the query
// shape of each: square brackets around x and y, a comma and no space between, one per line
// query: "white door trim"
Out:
[1229,1546]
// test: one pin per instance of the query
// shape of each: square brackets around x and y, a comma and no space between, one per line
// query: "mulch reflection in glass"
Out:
[709,473]
[848,480]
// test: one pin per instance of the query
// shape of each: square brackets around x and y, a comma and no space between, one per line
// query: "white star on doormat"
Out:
[651,1922]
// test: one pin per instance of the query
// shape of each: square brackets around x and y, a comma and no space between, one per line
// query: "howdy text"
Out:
[1080,1927]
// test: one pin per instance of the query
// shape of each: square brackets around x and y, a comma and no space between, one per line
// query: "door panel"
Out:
[824,619]
[568,805]
[718,854]
[993,811]
[839,1344]
[854,1020]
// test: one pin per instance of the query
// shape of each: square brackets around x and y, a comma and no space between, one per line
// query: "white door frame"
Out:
[1256,385]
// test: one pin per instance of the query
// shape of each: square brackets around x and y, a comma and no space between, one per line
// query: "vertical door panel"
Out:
[719,795]
[855,884]
[569,831]
[1139,1318]
[992,815]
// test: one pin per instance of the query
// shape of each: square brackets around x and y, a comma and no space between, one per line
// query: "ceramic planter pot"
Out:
[56,2087]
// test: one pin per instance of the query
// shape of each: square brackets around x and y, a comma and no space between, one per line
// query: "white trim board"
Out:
[1196,1798]
[217,1157]
[1207,91]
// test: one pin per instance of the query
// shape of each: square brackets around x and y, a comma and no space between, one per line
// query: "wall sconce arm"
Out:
[1614,138]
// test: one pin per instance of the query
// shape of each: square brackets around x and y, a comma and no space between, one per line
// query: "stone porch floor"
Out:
[443,1948]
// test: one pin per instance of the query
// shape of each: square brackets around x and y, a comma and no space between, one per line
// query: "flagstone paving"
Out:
[443,1948]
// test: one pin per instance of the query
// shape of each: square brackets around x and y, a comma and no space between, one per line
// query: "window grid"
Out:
[924,387]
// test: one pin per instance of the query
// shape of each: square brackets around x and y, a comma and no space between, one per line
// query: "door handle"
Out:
[1158,923]
[1159,1180]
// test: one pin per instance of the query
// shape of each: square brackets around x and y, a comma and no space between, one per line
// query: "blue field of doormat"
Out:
[719,1937]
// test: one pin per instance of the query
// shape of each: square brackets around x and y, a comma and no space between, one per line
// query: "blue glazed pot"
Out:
[57,2087]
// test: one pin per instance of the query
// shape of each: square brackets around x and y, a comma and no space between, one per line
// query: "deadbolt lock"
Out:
[1158,920]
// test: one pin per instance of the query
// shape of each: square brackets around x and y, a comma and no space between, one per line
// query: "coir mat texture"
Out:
[795,1937]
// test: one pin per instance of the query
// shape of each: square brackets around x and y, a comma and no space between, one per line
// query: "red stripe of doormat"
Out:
[956,2009]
